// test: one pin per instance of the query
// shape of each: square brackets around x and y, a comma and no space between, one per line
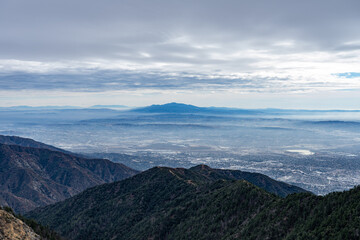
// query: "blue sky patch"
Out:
[348,74]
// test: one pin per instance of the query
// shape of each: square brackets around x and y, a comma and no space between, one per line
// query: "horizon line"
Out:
[121,106]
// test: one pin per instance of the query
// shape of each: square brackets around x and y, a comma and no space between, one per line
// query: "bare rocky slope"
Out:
[12,228]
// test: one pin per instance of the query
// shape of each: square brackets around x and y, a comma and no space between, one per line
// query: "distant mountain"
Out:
[22,108]
[32,177]
[163,203]
[185,108]
[110,106]
[334,124]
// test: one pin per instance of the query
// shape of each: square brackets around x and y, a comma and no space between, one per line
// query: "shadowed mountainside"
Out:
[27,142]
[32,177]
[270,185]
[161,203]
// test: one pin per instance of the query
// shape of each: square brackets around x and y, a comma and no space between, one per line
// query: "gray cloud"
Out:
[110,80]
[212,41]
[106,80]
[43,30]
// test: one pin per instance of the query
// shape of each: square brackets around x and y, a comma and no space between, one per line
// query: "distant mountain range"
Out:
[185,108]
[34,174]
[182,108]
[19,108]
[110,106]
[200,203]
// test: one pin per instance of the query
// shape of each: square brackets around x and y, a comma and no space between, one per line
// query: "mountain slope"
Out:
[27,142]
[32,177]
[276,187]
[12,228]
[157,204]
[305,216]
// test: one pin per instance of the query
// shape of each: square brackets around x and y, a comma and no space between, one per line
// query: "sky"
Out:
[247,54]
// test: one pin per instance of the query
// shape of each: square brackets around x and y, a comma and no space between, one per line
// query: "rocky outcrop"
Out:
[12,228]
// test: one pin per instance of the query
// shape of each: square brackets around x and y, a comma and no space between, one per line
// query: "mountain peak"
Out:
[176,104]
[175,107]
[201,167]
[172,107]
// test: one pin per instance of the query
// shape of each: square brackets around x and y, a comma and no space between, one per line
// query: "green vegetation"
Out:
[200,203]
[305,216]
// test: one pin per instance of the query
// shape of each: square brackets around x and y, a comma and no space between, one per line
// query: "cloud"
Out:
[131,80]
[95,81]
[245,46]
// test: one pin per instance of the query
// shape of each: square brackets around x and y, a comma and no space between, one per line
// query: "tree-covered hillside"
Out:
[165,203]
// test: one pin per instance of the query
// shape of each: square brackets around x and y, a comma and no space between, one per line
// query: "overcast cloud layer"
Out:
[242,47]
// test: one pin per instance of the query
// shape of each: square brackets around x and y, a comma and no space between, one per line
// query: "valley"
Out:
[147,178]
[316,150]
[179,120]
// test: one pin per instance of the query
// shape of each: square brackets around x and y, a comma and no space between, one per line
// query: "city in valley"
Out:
[316,150]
